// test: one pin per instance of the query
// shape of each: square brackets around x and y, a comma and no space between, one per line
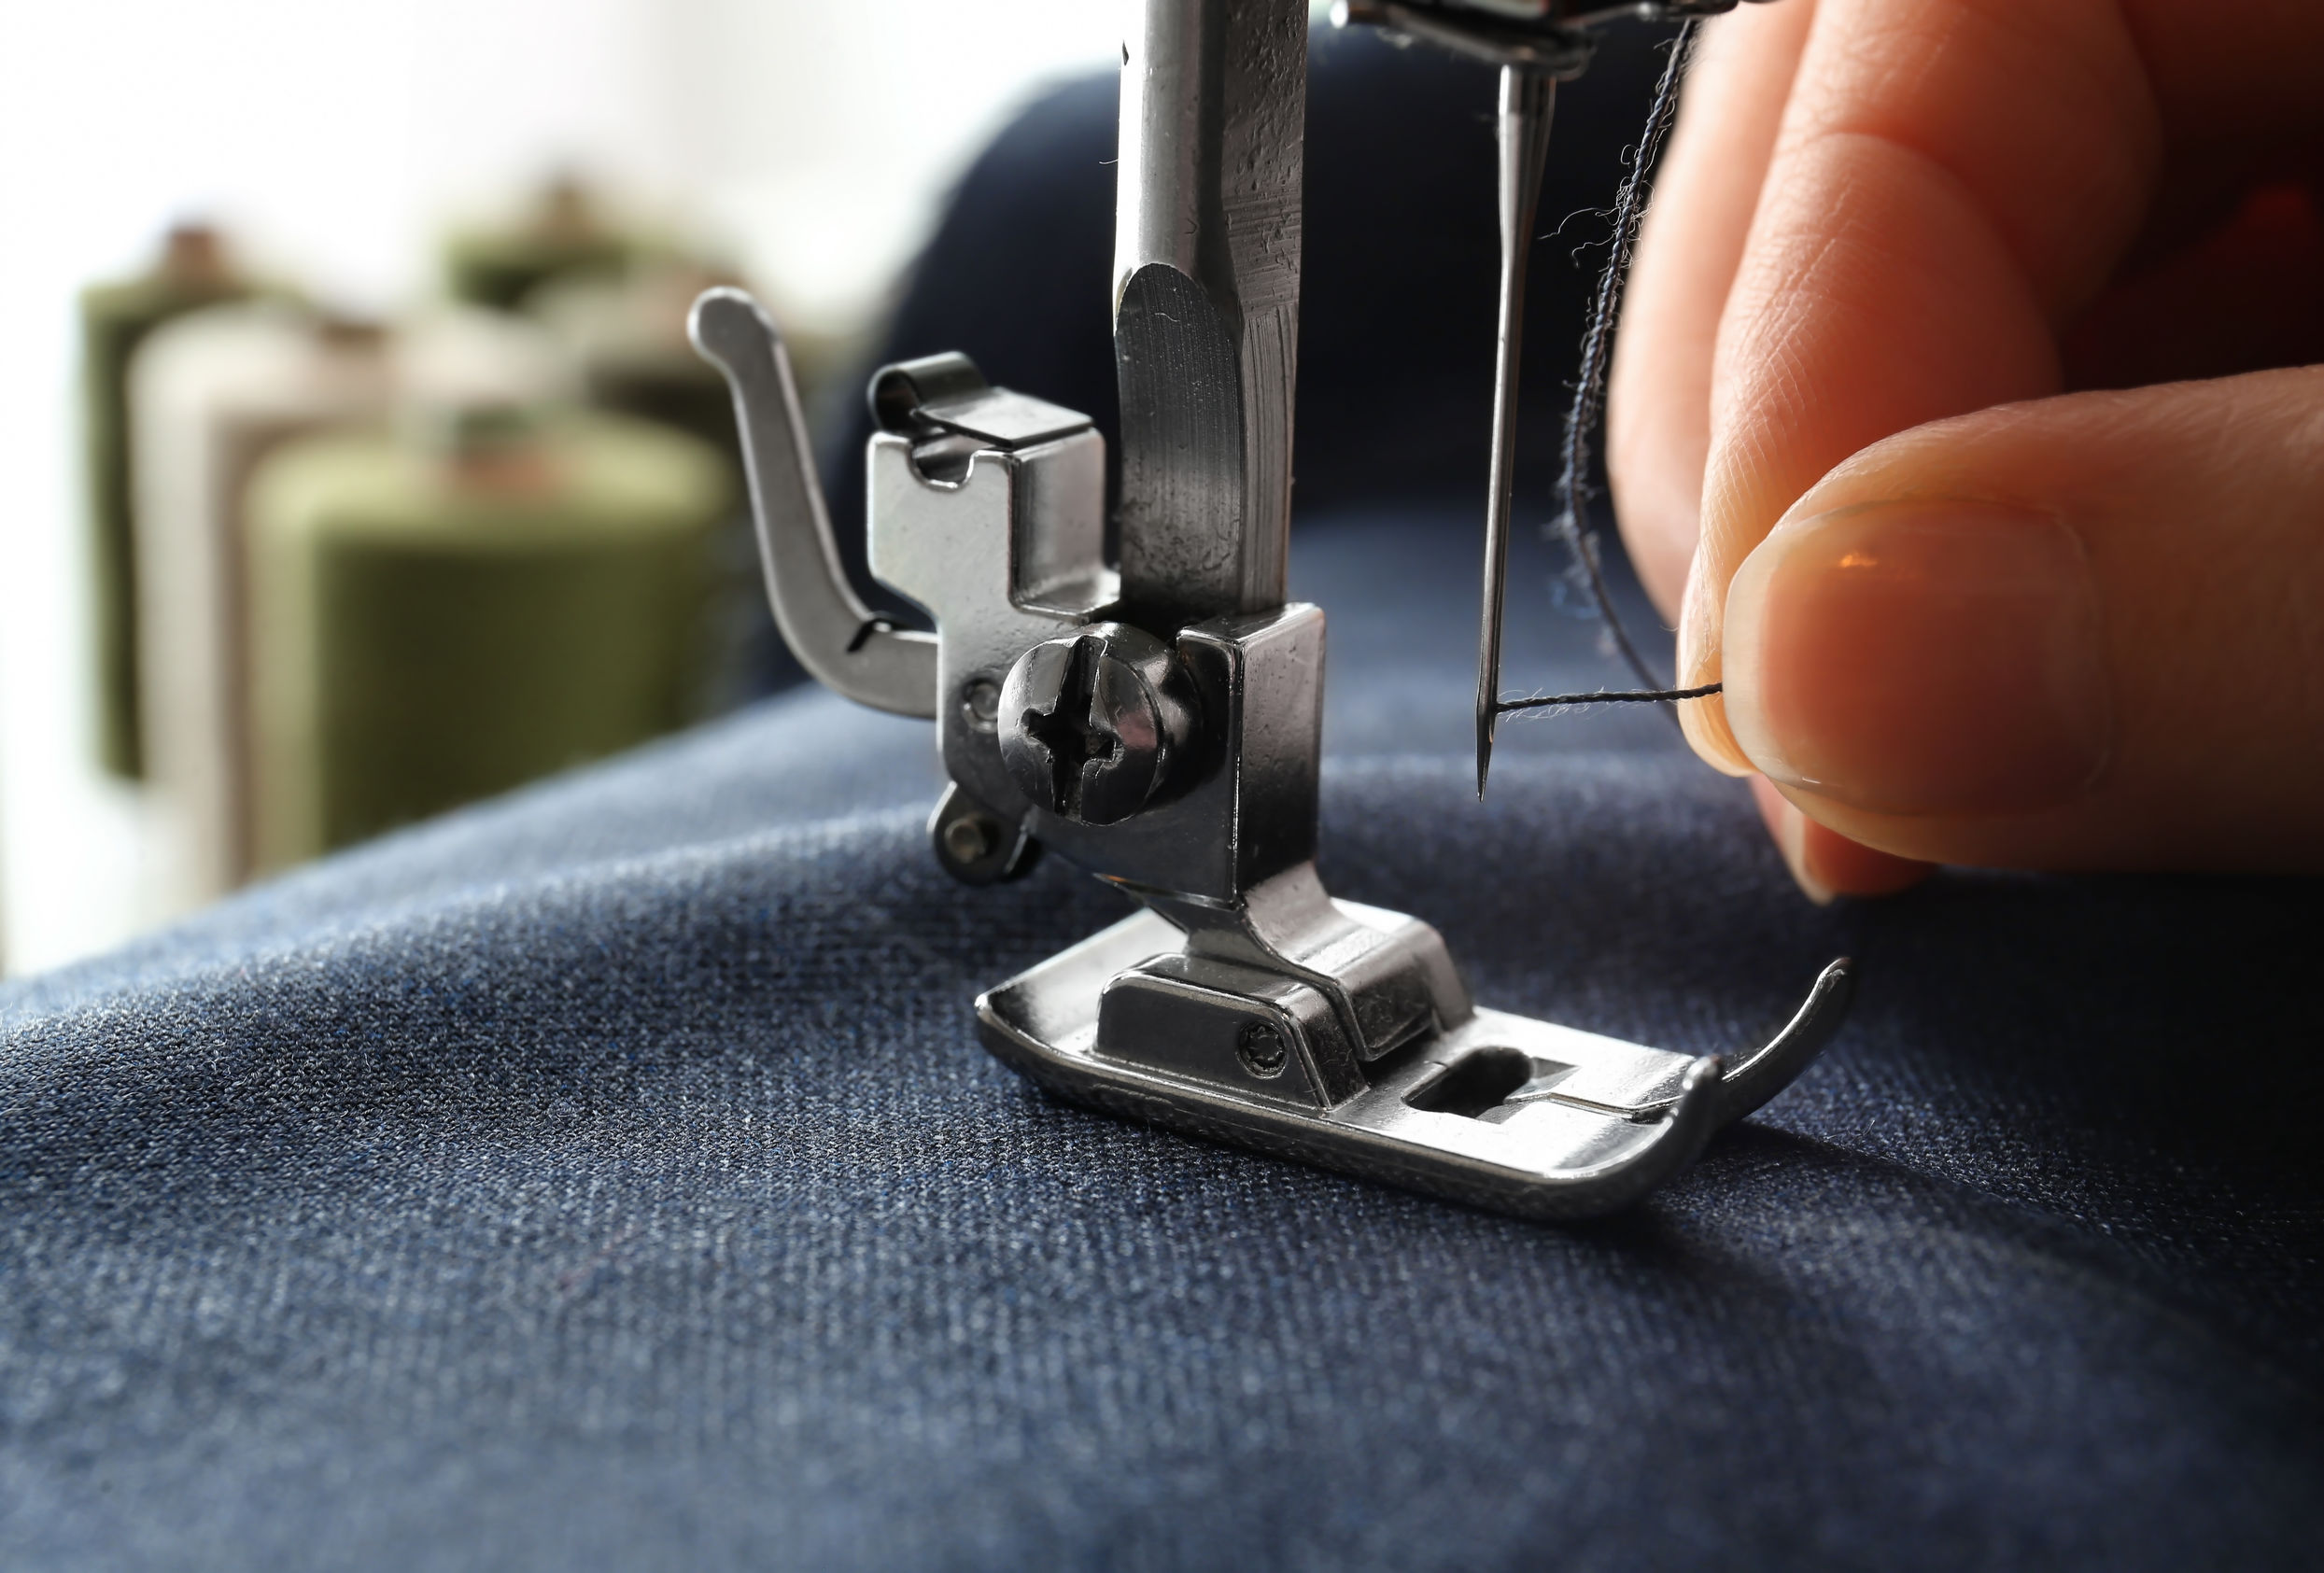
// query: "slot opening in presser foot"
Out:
[1480,1084]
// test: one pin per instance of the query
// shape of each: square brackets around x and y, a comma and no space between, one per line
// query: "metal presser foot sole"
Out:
[1500,1112]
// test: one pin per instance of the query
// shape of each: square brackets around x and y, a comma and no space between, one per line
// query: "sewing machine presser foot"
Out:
[1178,760]
[1495,1110]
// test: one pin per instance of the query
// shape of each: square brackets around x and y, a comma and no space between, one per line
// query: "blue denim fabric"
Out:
[610,1177]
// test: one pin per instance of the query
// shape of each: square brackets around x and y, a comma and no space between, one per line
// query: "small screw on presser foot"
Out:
[1157,720]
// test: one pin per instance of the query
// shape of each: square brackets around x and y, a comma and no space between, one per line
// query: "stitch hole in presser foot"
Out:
[1157,720]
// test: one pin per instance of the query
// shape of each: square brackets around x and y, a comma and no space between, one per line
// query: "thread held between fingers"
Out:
[1923,656]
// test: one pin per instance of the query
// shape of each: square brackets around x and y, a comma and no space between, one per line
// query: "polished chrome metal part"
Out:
[834,635]
[1095,724]
[1527,97]
[1481,32]
[1497,1111]
[1207,249]
[977,845]
[1546,36]
[1161,728]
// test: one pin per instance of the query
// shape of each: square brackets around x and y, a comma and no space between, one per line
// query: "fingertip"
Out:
[1705,724]
[1704,720]
[1658,409]
[1853,869]
[1825,864]
[1924,655]
[1787,826]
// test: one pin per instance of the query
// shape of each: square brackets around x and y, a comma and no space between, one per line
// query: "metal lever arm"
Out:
[836,636]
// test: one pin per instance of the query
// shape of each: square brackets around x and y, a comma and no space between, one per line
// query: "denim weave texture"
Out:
[609,1176]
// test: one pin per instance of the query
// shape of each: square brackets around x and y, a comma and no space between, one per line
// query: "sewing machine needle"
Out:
[1526,98]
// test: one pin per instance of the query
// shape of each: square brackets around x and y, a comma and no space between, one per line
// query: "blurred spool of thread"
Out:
[628,341]
[436,621]
[627,338]
[191,271]
[564,235]
[213,394]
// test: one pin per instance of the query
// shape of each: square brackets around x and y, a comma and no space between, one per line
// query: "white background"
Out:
[335,138]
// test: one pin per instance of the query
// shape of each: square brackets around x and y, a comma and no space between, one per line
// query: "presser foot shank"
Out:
[1499,1111]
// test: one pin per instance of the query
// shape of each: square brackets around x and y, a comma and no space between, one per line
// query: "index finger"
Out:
[1954,180]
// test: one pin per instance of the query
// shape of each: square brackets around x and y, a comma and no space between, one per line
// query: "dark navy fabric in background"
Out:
[609,1177]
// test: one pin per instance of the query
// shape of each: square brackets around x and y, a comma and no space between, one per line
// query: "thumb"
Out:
[2085,632]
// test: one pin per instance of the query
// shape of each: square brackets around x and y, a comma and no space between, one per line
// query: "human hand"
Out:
[1898,402]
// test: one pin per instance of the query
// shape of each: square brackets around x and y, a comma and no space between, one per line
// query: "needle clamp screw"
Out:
[1095,724]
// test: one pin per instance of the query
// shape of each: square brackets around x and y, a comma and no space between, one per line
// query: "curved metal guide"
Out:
[837,637]
[1501,1112]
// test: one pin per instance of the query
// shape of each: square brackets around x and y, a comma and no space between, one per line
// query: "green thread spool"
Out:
[628,341]
[193,272]
[439,620]
[212,395]
[563,237]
